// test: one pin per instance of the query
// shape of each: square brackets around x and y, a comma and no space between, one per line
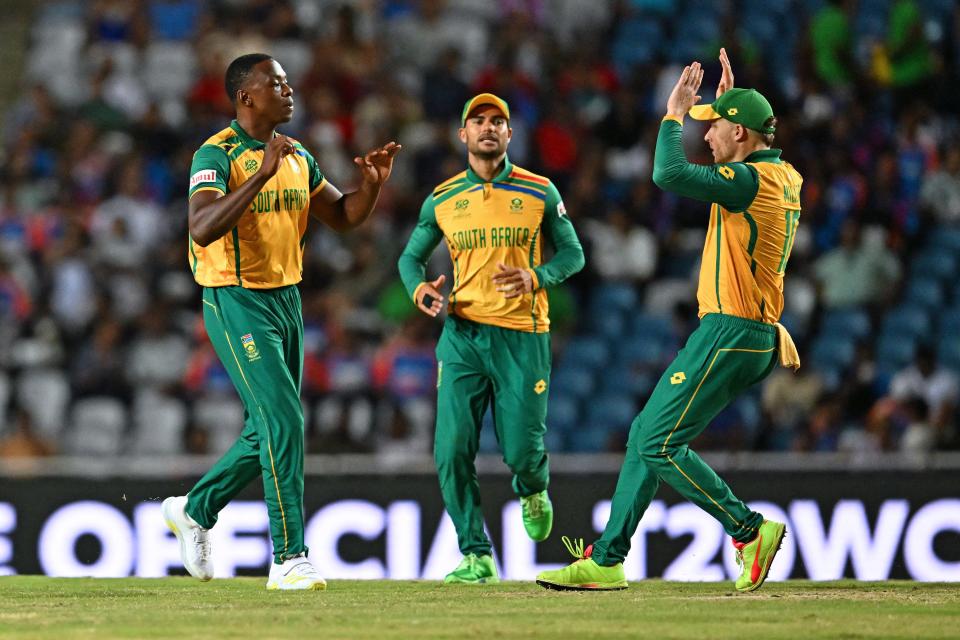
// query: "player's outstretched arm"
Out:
[343,212]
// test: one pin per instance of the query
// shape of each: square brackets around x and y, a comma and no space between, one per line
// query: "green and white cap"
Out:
[745,107]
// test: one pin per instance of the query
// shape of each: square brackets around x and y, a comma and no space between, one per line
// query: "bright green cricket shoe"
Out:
[537,515]
[474,569]
[755,557]
[584,574]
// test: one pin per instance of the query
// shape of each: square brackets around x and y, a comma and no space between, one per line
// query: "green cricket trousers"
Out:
[258,336]
[480,365]
[722,358]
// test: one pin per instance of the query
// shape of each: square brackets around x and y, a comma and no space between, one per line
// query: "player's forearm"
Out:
[354,208]
[413,272]
[567,261]
[671,170]
[215,219]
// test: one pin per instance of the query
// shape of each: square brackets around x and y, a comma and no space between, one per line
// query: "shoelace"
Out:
[202,540]
[535,506]
[469,562]
[575,548]
[303,568]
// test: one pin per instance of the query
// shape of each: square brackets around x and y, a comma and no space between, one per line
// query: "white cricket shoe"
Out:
[194,539]
[295,573]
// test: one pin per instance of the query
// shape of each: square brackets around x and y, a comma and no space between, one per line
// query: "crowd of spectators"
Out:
[100,320]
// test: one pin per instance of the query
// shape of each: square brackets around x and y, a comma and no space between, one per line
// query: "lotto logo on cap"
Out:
[745,107]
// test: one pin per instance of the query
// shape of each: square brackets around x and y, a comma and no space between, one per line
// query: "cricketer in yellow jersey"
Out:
[251,192]
[753,221]
[495,346]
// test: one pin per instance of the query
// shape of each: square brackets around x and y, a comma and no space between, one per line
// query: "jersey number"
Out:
[792,217]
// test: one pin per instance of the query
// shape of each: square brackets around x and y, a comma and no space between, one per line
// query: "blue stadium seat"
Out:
[895,351]
[554,440]
[946,237]
[847,323]
[643,351]
[611,410]
[948,352]
[924,292]
[653,325]
[935,263]
[587,351]
[629,379]
[563,412]
[607,323]
[615,295]
[832,352]
[948,323]
[572,380]
[906,321]
[588,440]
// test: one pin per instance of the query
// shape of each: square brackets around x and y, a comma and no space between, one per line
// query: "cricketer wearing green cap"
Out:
[745,107]
[495,347]
[753,220]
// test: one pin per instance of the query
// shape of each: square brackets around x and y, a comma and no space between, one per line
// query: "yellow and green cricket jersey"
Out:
[505,220]
[265,249]
[753,223]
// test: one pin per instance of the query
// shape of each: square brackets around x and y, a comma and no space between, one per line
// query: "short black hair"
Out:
[238,71]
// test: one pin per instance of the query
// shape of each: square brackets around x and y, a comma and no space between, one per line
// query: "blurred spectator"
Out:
[621,251]
[99,367]
[858,272]
[22,442]
[788,398]
[832,42]
[97,150]
[939,389]
[919,436]
[157,355]
[940,193]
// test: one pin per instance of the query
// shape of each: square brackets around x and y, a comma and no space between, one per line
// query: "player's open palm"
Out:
[684,94]
[726,75]
[375,166]
[432,290]
[273,154]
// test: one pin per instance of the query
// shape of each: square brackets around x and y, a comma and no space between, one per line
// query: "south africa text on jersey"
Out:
[270,200]
[496,236]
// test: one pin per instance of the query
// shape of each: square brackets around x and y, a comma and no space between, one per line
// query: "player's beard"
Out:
[487,154]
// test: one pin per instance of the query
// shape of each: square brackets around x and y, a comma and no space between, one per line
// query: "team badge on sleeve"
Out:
[561,210]
[207,175]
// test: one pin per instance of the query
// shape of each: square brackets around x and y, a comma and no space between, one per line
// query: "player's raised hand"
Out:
[684,94]
[512,282]
[375,166]
[273,154]
[431,289]
[726,76]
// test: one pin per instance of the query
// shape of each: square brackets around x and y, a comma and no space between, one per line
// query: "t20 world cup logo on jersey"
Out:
[250,347]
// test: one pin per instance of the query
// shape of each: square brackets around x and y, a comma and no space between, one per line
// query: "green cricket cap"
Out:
[745,107]
[482,99]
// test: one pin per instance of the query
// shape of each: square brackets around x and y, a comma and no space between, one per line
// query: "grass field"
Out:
[39,607]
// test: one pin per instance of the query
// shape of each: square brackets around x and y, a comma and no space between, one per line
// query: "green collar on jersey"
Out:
[245,138]
[500,177]
[764,155]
